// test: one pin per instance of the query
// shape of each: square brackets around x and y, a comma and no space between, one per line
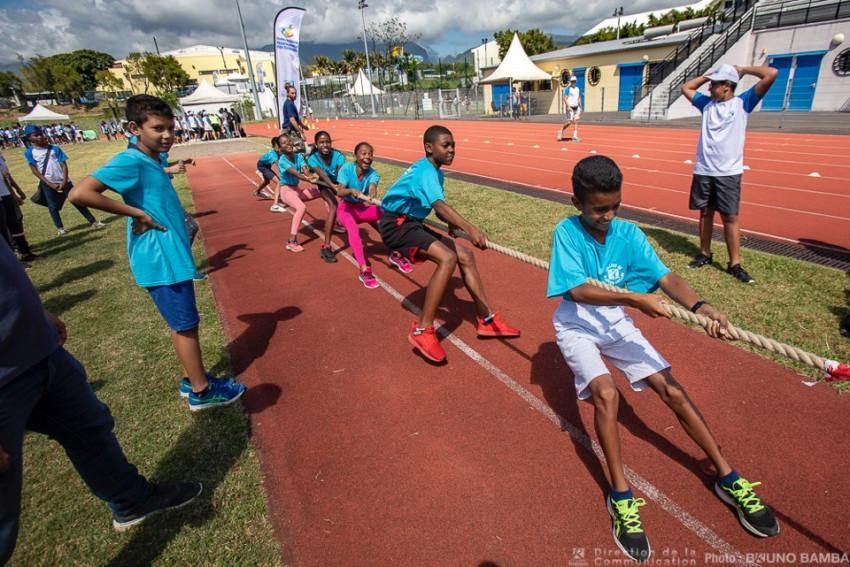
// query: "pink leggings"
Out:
[350,215]
[294,196]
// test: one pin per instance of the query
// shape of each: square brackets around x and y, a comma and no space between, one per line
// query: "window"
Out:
[593,76]
[841,64]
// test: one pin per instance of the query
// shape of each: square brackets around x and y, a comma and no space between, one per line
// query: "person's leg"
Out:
[333,208]
[52,204]
[706,229]
[85,212]
[188,348]
[446,260]
[70,413]
[345,214]
[732,234]
[672,394]
[470,275]
[606,404]
[290,197]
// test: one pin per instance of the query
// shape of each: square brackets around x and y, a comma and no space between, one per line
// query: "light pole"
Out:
[258,113]
[362,5]
[618,12]
[484,42]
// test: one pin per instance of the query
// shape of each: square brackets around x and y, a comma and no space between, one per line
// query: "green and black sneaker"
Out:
[752,512]
[628,530]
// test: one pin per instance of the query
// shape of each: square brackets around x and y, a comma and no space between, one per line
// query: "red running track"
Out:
[781,199]
[372,456]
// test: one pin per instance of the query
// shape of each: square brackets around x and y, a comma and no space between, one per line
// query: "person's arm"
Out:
[64,182]
[326,179]
[765,75]
[455,221]
[689,89]
[179,166]
[89,192]
[10,181]
[650,303]
[682,293]
[299,175]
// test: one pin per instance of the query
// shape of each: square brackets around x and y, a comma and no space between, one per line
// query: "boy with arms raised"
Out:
[157,240]
[405,205]
[591,322]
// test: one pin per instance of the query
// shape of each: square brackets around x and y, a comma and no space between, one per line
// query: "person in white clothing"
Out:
[572,104]
[719,164]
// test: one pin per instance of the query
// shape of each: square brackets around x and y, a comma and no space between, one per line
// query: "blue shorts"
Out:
[176,304]
[267,172]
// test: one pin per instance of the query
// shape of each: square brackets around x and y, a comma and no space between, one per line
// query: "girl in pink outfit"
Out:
[358,183]
[290,168]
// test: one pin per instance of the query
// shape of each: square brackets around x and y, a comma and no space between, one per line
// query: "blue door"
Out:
[803,85]
[772,101]
[805,82]
[579,73]
[500,94]
[631,79]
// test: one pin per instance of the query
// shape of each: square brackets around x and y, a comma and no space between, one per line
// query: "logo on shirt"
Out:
[614,274]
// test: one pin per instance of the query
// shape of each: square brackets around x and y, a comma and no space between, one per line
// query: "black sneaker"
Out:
[740,273]
[327,254]
[752,512]
[701,260]
[628,530]
[163,497]
[30,257]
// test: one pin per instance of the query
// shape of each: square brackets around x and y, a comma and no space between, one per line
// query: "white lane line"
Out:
[647,488]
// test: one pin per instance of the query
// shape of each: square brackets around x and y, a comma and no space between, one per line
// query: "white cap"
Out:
[725,73]
[573,78]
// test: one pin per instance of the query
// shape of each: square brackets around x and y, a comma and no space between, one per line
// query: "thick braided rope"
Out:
[792,352]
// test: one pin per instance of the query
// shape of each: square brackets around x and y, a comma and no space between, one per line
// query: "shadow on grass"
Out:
[672,242]
[59,304]
[205,451]
[253,342]
[63,243]
[77,273]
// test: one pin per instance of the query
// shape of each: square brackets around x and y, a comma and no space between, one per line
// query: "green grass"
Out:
[115,331]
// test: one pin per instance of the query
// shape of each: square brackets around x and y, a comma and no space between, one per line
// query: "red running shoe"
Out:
[496,328]
[426,343]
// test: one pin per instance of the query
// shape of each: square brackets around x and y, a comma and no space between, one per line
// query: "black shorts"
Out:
[723,193]
[406,235]
[267,172]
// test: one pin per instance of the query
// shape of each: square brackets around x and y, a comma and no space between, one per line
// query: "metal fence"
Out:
[417,104]
[798,12]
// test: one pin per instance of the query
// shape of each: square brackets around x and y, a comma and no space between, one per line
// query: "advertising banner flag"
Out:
[287,33]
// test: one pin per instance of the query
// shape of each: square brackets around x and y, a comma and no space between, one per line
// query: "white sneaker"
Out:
[98,224]
[277,209]
[62,232]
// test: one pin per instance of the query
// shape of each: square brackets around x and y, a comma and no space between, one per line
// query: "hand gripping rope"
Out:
[835,371]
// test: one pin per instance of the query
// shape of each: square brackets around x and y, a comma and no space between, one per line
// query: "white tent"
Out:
[41,114]
[208,98]
[363,87]
[516,66]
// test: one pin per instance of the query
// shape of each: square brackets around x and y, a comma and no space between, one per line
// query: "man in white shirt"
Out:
[719,165]
[572,104]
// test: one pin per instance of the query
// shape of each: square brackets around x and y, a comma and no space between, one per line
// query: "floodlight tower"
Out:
[362,5]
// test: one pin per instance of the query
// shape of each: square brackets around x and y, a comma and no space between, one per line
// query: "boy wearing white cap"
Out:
[716,184]
[572,103]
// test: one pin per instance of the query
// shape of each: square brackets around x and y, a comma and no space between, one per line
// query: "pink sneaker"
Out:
[368,279]
[293,246]
[400,262]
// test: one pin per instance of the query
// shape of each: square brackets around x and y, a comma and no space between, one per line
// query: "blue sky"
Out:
[120,26]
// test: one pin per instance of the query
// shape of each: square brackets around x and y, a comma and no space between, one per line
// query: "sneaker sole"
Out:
[619,545]
[498,334]
[122,526]
[377,285]
[216,404]
[422,352]
[749,527]
[399,268]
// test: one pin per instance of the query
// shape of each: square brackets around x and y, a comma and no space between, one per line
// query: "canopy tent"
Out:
[41,114]
[516,66]
[363,87]
[208,98]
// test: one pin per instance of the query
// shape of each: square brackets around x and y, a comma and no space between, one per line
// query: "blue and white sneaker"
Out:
[218,395]
[186,386]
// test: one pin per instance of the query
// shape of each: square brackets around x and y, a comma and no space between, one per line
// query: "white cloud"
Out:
[120,26]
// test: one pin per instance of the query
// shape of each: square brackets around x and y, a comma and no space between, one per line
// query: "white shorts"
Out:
[573,113]
[586,332]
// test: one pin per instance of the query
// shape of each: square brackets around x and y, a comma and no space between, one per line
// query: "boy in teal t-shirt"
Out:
[157,241]
[591,322]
